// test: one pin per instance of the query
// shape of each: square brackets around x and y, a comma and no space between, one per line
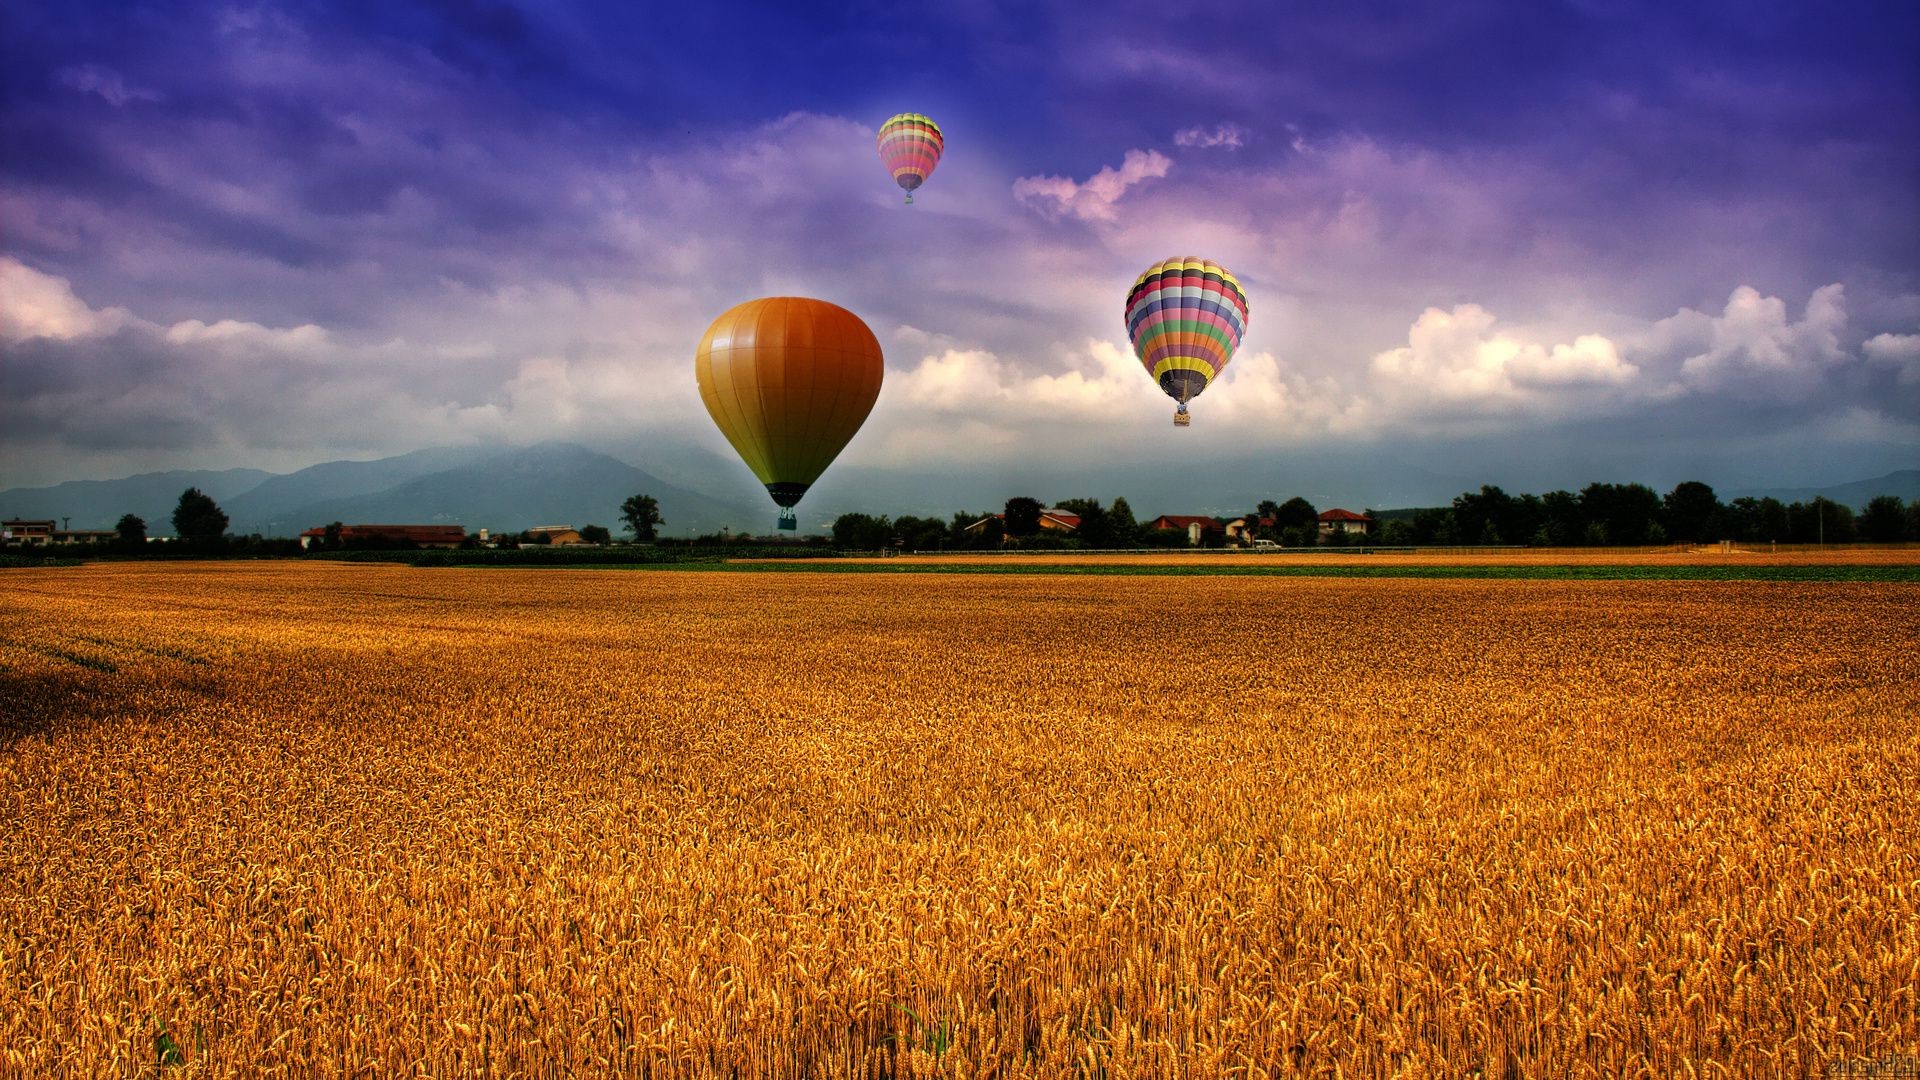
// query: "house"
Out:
[85,536]
[556,535]
[1241,529]
[1337,520]
[1195,526]
[426,536]
[1050,521]
[31,531]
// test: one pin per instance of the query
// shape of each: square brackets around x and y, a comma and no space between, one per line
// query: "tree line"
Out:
[1612,515]
[1625,515]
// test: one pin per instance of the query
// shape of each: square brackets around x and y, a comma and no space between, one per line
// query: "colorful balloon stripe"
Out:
[1185,318]
[910,145]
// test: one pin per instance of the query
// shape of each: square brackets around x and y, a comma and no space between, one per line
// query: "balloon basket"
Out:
[909,198]
[1183,418]
[789,521]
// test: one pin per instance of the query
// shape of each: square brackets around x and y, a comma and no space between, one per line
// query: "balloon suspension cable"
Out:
[788,519]
[1182,418]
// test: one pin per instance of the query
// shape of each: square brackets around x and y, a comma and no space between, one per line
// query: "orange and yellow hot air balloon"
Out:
[910,146]
[789,381]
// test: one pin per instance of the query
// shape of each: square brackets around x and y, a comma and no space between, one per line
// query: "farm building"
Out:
[27,531]
[555,535]
[1196,526]
[1337,520]
[1050,521]
[433,536]
[1242,528]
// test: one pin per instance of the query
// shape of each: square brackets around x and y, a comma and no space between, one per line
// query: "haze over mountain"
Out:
[98,504]
[505,489]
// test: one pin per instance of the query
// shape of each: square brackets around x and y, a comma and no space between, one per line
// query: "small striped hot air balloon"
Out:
[910,146]
[1185,318]
[789,381]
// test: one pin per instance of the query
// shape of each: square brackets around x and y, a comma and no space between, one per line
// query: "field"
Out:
[295,819]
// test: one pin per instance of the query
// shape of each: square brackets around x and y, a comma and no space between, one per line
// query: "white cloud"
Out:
[1094,199]
[1459,357]
[1901,352]
[1752,350]
[33,304]
[1230,136]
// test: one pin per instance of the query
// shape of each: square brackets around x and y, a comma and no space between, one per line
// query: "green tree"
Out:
[1297,513]
[1096,523]
[133,531]
[1757,521]
[596,534]
[1396,533]
[1023,516]
[198,519]
[1625,513]
[1123,529]
[1560,518]
[862,532]
[642,515]
[1690,512]
[1884,521]
[1484,516]
[920,534]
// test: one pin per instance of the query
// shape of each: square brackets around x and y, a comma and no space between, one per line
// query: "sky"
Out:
[1533,243]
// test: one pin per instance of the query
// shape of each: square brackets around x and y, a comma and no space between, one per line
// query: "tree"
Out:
[1297,513]
[330,538]
[596,534]
[1485,517]
[133,531]
[1757,521]
[920,534]
[862,532]
[642,515]
[1884,521]
[1023,516]
[1689,512]
[1560,518]
[1123,530]
[198,519]
[1624,512]
[1096,523]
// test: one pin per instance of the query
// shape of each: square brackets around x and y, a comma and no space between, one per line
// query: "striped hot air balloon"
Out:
[910,145]
[1185,317]
[789,381]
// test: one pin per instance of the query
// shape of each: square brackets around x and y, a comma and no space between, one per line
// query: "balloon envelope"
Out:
[788,380]
[910,145]
[1185,317]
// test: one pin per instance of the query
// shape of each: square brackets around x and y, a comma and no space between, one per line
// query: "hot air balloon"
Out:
[910,145]
[788,380]
[1185,317]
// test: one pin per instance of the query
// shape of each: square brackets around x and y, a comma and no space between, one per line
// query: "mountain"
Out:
[99,504]
[518,488]
[277,505]
[1902,483]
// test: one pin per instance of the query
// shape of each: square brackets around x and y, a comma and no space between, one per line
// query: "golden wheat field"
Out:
[284,819]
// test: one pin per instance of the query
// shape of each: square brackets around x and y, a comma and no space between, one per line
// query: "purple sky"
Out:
[1541,243]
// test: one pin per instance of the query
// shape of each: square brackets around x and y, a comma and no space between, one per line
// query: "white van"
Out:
[1265,545]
